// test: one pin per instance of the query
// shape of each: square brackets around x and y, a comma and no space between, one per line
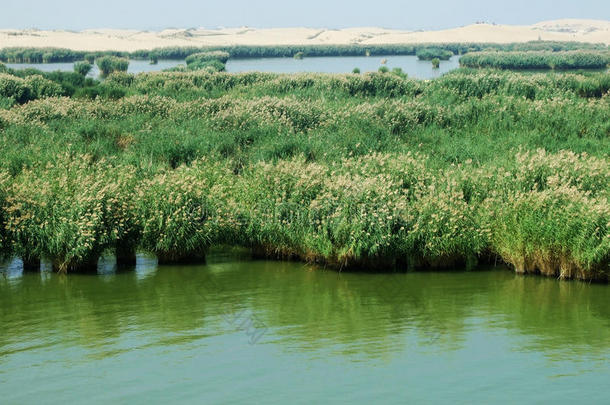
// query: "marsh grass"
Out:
[567,60]
[373,171]
[111,64]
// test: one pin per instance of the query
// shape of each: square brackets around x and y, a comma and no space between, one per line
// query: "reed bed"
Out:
[538,60]
[373,171]
[51,55]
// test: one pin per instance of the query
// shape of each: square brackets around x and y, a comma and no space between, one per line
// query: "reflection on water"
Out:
[236,329]
[326,64]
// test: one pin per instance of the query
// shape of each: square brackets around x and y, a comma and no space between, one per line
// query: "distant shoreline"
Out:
[590,31]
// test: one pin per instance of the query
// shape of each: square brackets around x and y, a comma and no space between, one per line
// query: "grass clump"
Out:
[375,171]
[434,53]
[178,212]
[112,64]
[69,212]
[213,61]
[567,60]
[5,243]
[82,68]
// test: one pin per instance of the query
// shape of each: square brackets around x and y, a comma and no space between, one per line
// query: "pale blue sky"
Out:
[156,14]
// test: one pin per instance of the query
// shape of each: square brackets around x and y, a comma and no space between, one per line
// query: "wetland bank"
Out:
[201,223]
[373,170]
[376,171]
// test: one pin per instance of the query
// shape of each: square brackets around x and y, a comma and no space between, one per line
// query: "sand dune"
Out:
[131,40]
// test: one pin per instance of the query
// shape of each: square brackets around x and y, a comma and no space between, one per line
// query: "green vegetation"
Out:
[288,51]
[17,90]
[538,60]
[47,55]
[112,64]
[356,70]
[51,55]
[19,86]
[436,63]
[211,61]
[373,170]
[433,53]
[203,57]
[83,68]
[399,72]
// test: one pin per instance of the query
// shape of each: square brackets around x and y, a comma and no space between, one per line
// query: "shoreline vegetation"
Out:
[537,60]
[56,55]
[372,171]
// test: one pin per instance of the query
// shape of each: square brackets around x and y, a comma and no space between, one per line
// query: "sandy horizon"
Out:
[577,30]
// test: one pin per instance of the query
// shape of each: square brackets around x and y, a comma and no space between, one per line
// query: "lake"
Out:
[341,64]
[236,330]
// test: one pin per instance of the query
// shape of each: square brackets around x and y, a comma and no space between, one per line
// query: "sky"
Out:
[409,15]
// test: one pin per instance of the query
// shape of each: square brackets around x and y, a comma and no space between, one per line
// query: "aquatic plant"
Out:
[5,243]
[213,61]
[372,171]
[68,211]
[210,56]
[537,60]
[434,53]
[560,232]
[178,212]
[82,68]
[111,64]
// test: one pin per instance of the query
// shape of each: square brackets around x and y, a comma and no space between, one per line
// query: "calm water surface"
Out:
[241,331]
[342,64]
[135,66]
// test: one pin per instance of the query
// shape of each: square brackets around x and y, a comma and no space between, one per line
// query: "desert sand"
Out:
[594,31]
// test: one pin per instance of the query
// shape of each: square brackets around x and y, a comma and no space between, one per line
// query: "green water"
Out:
[240,331]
